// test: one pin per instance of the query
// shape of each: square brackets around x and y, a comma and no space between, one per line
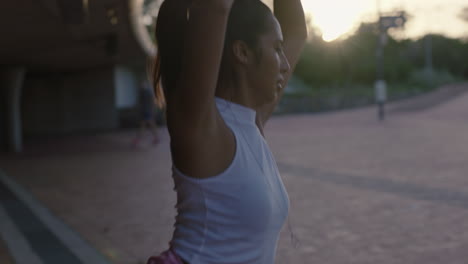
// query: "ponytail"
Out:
[154,70]
[171,26]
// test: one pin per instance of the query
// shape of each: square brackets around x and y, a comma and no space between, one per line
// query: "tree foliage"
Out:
[352,60]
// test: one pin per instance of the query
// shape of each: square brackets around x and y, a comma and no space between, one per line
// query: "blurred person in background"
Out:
[221,67]
[148,114]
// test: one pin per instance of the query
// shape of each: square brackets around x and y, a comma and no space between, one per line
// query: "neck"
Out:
[239,94]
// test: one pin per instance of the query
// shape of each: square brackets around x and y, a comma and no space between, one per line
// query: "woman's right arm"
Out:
[201,60]
[202,145]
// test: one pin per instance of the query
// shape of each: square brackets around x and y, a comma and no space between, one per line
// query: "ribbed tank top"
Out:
[234,217]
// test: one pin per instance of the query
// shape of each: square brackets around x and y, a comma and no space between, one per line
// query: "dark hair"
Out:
[248,19]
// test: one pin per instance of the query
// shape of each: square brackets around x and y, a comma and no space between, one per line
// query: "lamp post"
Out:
[380,86]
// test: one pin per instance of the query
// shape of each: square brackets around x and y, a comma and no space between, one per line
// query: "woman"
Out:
[223,65]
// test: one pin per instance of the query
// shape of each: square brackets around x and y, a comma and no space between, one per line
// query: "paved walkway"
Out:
[361,191]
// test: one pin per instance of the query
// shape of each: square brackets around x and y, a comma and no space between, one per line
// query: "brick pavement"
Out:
[361,191]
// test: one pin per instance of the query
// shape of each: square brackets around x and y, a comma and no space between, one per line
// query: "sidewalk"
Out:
[361,191]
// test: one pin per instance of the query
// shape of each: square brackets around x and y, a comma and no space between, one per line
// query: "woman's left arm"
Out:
[290,15]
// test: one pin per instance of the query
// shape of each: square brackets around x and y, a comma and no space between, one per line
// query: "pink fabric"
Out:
[167,257]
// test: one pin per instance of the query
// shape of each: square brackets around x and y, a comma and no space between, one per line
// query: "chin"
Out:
[264,100]
[274,97]
[267,97]
[270,98]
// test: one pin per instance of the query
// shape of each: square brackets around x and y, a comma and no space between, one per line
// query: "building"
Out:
[70,66]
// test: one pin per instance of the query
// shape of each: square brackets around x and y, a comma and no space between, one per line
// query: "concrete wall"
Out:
[70,102]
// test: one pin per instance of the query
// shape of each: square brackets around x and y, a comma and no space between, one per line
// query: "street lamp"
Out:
[380,86]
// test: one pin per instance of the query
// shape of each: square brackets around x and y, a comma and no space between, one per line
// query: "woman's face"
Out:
[268,75]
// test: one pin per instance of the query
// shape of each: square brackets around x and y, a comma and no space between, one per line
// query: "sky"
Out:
[337,17]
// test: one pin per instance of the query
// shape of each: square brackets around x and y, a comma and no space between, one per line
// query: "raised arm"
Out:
[193,97]
[290,15]
[201,143]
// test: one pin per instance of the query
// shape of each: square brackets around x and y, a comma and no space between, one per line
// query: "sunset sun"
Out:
[334,18]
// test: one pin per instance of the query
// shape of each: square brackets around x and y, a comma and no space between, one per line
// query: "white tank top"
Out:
[236,216]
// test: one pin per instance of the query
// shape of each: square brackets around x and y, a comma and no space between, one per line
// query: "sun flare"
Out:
[335,18]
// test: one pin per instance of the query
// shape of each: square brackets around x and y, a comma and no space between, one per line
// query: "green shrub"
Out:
[428,80]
